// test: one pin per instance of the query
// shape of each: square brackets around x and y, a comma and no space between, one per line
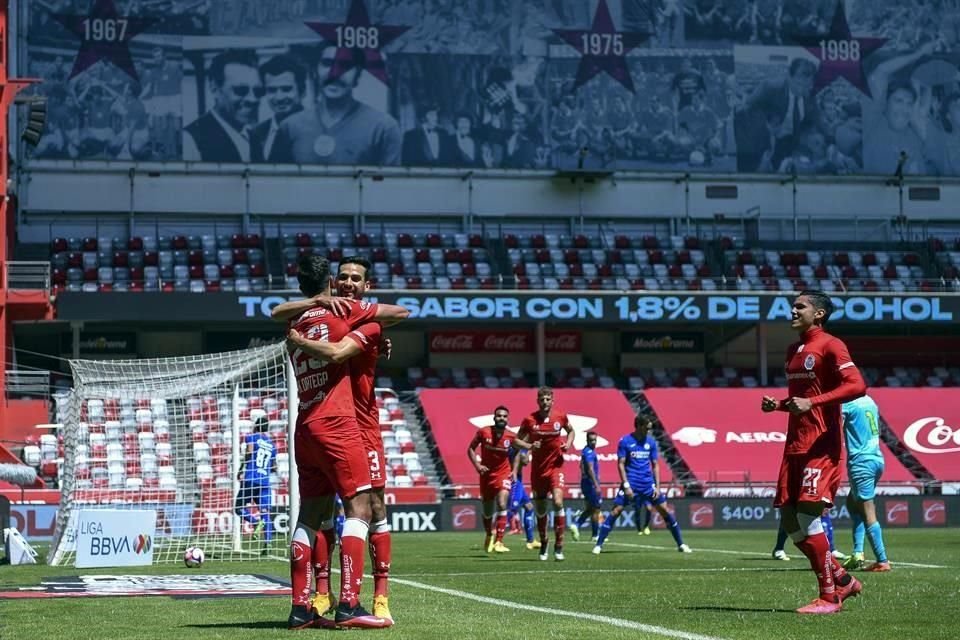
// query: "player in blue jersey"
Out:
[519,499]
[590,489]
[260,460]
[861,431]
[639,466]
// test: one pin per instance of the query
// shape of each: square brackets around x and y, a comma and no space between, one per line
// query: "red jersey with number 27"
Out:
[819,368]
[551,436]
[323,387]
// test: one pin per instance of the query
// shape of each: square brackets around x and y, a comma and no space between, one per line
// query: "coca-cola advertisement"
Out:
[502,342]
[927,421]
[456,414]
[726,439]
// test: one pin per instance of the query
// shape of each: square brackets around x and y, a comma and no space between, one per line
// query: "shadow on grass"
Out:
[739,610]
[258,624]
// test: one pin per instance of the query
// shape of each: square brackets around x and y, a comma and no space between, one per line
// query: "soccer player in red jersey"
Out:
[329,460]
[545,429]
[495,475]
[820,377]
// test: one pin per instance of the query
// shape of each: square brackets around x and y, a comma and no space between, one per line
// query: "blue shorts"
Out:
[864,475]
[518,496]
[258,494]
[591,497]
[640,498]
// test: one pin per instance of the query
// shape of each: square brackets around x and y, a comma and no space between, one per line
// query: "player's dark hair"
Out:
[901,85]
[642,420]
[262,424]
[592,434]
[357,60]
[820,300]
[285,63]
[544,391]
[501,408]
[220,61]
[359,261]
[313,274]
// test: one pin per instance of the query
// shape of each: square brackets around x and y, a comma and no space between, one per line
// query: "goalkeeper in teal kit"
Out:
[861,431]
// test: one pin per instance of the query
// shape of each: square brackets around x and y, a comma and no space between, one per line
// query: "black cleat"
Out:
[358,618]
[301,617]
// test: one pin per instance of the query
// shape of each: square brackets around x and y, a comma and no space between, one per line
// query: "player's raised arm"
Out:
[287,311]
[390,314]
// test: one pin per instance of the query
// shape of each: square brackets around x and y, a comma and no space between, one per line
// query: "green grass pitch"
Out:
[445,587]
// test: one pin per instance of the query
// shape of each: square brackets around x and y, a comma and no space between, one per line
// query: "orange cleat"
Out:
[877,567]
[852,590]
[820,606]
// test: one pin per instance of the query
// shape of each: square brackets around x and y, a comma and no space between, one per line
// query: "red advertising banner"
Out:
[927,421]
[724,437]
[455,414]
[502,341]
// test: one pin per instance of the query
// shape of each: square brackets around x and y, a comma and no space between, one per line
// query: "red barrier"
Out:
[724,437]
[455,414]
[927,421]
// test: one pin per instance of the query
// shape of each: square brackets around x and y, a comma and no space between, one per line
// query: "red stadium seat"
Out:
[89,244]
[621,242]
[135,244]
[253,241]
[58,245]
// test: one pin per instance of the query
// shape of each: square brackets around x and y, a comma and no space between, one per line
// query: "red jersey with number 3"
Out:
[363,370]
[550,434]
[494,450]
[819,367]
[324,388]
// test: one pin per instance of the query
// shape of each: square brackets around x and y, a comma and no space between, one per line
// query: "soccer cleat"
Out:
[358,618]
[819,606]
[301,617]
[852,590]
[322,604]
[645,532]
[558,553]
[488,543]
[780,554]
[499,547]
[574,531]
[596,550]
[594,538]
[258,530]
[839,555]
[544,553]
[381,608]
[877,567]
[684,549]
[533,545]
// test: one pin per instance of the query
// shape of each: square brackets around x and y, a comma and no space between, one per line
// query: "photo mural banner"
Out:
[800,87]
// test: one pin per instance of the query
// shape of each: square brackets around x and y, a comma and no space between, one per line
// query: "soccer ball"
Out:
[193,557]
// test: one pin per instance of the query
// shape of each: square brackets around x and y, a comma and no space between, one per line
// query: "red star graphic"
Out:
[104,35]
[356,40]
[840,54]
[603,49]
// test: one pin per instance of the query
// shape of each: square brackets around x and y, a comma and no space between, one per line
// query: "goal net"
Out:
[166,435]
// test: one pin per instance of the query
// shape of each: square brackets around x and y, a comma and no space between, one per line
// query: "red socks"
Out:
[380,551]
[817,550]
[300,562]
[353,544]
[501,525]
[559,525]
[322,547]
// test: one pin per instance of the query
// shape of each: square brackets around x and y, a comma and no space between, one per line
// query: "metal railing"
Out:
[35,384]
[32,275]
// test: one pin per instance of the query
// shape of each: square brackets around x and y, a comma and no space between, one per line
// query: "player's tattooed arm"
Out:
[335,352]
[390,314]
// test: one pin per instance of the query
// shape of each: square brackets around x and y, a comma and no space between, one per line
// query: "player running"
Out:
[639,467]
[328,443]
[495,473]
[820,377]
[861,431]
[590,489]
[545,426]
[519,498]
[254,477]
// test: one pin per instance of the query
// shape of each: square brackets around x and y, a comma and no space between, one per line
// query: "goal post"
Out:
[166,434]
